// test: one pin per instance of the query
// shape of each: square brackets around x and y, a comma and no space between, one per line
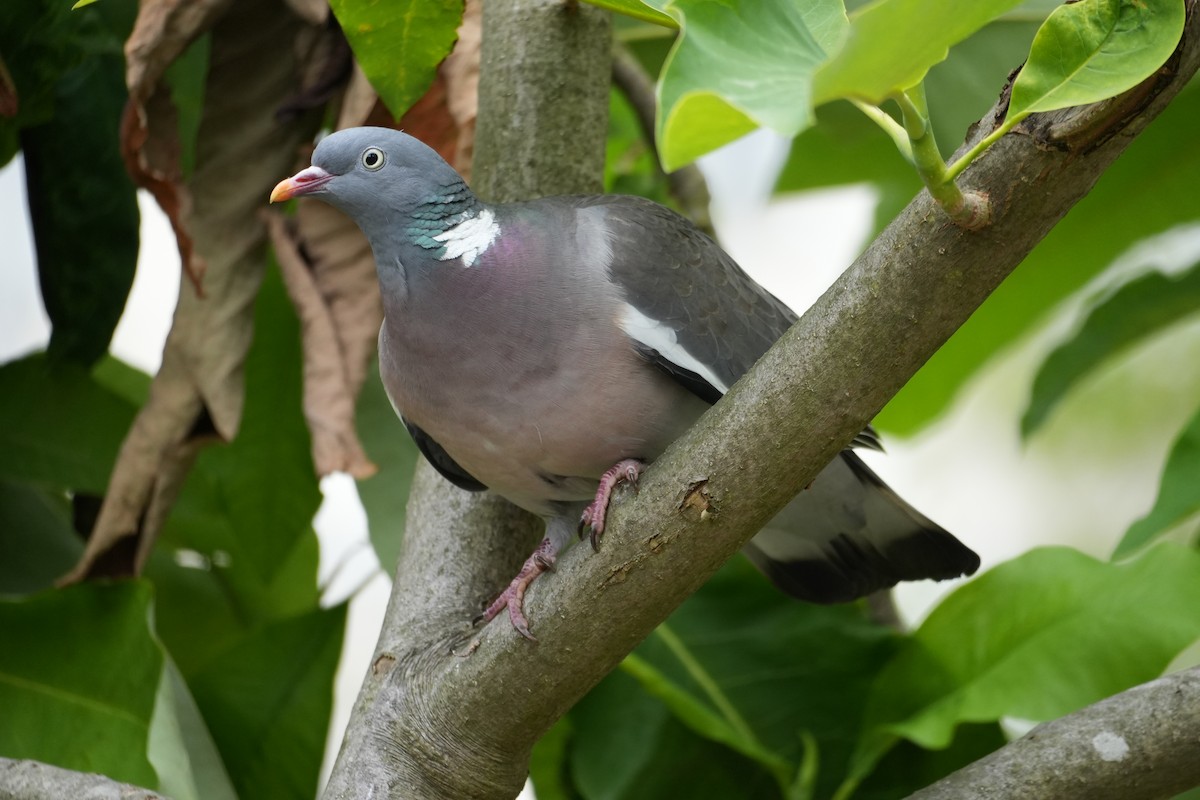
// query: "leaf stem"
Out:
[966,158]
[892,128]
[968,210]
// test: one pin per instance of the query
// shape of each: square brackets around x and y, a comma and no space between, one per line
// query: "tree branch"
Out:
[455,714]
[1137,745]
[33,780]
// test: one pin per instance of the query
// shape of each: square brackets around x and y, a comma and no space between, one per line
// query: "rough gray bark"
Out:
[450,712]
[1143,743]
[32,780]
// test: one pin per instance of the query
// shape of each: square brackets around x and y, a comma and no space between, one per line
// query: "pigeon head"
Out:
[403,195]
[359,169]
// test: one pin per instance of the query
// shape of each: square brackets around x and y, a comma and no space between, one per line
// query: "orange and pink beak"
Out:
[303,182]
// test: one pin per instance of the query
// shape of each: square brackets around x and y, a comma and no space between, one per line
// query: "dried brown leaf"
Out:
[242,150]
[327,67]
[314,12]
[149,131]
[329,390]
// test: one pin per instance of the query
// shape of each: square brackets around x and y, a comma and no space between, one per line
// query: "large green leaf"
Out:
[1178,492]
[625,745]
[36,43]
[766,668]
[614,732]
[37,542]
[891,44]
[181,749]
[740,64]
[1122,317]
[548,764]
[60,427]
[907,767]
[267,702]
[1036,638]
[1148,190]
[399,44]
[83,209]
[79,671]
[385,494]
[1094,49]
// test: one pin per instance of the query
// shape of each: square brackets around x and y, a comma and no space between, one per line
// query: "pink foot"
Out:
[513,598]
[625,471]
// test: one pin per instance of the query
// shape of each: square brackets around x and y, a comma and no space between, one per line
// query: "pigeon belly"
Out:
[534,402]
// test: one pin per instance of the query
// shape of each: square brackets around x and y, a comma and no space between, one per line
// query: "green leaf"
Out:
[1148,190]
[693,712]
[385,494]
[614,733]
[1124,316]
[61,427]
[737,65]
[37,542]
[83,209]
[267,702]
[399,44]
[124,380]
[637,10]
[1035,638]
[1178,493]
[79,672]
[35,41]
[209,600]
[907,767]
[181,749]
[1095,49]
[548,764]
[625,745]
[891,44]
[746,637]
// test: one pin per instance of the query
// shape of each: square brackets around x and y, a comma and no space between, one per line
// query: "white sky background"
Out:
[1092,472]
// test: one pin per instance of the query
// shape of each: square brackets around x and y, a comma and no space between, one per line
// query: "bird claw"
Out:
[513,597]
[626,471]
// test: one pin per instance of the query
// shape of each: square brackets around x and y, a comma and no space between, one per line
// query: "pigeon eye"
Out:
[372,158]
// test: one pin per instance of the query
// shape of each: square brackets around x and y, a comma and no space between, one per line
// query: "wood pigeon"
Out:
[548,350]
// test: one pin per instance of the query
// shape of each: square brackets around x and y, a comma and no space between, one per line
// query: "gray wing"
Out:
[673,274]
[695,314]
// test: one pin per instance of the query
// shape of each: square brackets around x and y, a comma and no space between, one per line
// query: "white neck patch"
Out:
[469,238]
